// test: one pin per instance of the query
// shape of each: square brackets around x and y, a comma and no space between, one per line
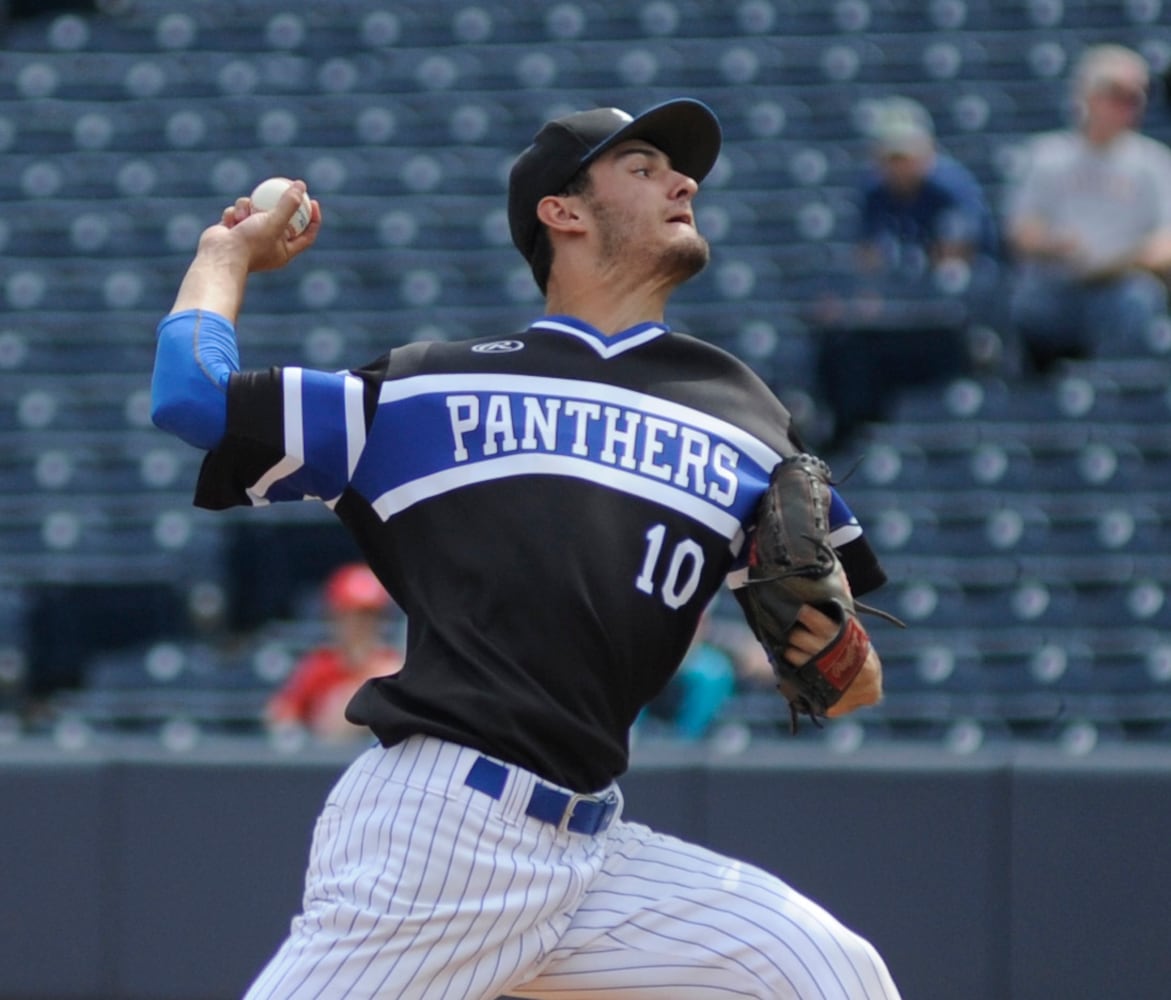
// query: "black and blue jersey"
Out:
[553,510]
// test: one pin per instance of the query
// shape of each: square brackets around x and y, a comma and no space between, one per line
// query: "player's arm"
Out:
[798,592]
[864,574]
[196,352]
[240,244]
[863,571]
[815,629]
[195,356]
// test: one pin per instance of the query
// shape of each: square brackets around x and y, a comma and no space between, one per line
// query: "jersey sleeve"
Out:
[292,434]
[849,542]
[858,559]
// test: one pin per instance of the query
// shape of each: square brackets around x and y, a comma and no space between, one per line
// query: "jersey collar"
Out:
[606,346]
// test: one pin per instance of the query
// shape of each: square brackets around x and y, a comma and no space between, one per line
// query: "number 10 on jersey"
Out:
[675,577]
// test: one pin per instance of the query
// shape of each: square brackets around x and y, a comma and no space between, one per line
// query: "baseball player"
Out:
[553,509]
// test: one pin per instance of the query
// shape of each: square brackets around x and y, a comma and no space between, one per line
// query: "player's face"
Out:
[642,212]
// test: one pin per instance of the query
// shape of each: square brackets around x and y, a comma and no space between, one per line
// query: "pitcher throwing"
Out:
[552,508]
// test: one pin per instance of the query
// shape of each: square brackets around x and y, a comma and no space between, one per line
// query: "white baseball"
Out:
[269,192]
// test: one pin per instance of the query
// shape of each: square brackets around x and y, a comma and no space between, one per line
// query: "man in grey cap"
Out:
[920,208]
[553,509]
[925,269]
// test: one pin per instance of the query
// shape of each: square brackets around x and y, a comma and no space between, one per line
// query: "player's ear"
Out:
[561,213]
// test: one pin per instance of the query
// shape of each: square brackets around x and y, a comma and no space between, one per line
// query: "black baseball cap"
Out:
[685,129]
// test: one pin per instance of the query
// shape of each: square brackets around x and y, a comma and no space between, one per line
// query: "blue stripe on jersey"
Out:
[843,528]
[436,433]
[324,433]
[843,525]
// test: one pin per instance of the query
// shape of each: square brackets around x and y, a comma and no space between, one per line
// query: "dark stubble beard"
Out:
[679,262]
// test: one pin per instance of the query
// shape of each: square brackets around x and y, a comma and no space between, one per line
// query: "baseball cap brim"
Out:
[684,129]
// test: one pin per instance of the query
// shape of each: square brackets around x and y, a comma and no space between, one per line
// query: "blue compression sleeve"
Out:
[195,355]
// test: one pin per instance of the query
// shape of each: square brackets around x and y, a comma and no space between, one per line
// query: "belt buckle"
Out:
[570,808]
[608,802]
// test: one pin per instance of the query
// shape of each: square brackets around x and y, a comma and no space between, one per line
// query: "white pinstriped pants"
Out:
[421,888]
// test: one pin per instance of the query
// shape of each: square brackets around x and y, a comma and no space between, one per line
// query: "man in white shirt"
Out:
[1089,222]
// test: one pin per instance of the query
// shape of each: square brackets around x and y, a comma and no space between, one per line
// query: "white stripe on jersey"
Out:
[353,402]
[845,533]
[294,414]
[355,422]
[294,440]
[258,491]
[539,385]
[541,463]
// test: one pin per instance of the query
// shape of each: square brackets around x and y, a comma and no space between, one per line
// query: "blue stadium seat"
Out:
[928,602]
[931,661]
[1131,660]
[1028,660]
[1117,604]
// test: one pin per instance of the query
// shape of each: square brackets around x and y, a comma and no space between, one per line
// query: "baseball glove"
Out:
[791,563]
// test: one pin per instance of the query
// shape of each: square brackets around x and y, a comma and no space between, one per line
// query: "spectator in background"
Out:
[695,695]
[923,213]
[316,693]
[925,263]
[1089,222]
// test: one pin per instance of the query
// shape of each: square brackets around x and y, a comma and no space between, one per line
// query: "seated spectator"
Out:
[316,693]
[922,212]
[925,261]
[692,701]
[1089,222]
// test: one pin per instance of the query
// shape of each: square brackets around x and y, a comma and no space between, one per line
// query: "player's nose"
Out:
[683,186]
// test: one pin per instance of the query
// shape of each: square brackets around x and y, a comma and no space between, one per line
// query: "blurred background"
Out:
[152,655]
[1024,520]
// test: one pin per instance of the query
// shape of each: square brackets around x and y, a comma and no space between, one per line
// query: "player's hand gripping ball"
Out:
[268,193]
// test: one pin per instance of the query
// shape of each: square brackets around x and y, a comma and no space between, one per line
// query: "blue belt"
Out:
[588,814]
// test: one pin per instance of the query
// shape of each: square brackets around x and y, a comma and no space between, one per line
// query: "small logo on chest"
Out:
[498,347]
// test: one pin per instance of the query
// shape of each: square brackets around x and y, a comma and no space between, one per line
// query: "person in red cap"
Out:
[324,680]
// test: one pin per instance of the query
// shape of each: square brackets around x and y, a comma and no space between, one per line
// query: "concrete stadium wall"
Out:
[134,873]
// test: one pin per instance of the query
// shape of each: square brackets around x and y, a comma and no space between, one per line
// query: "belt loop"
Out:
[488,777]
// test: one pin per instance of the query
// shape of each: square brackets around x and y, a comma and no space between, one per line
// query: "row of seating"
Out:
[285,27]
[124,135]
[1003,60]
[1005,681]
[989,525]
[1078,725]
